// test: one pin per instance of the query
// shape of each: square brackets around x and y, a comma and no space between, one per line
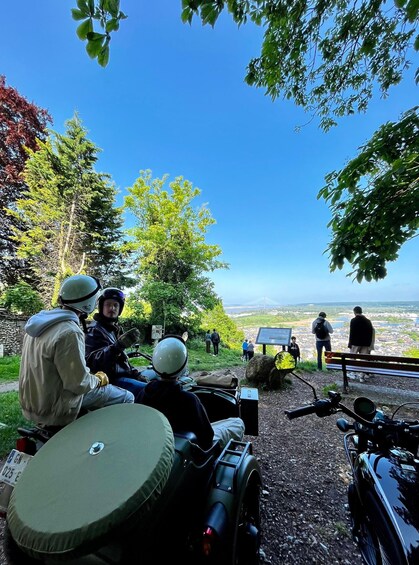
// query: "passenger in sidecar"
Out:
[181,407]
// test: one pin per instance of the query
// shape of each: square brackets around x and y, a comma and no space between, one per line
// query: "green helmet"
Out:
[80,293]
[170,357]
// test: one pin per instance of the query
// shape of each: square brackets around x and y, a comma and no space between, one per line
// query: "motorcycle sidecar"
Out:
[116,486]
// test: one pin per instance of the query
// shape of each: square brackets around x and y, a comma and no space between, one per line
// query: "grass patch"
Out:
[326,389]
[9,368]
[11,418]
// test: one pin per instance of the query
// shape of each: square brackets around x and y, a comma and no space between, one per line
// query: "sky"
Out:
[173,100]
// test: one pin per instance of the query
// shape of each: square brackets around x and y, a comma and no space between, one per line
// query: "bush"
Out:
[22,299]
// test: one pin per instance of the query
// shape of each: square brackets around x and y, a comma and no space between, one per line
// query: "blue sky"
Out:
[173,100]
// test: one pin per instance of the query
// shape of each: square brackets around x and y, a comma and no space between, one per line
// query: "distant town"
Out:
[396,324]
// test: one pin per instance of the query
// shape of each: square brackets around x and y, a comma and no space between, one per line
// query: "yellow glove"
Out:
[102,378]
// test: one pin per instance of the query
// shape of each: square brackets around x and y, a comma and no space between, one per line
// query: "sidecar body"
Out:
[117,486]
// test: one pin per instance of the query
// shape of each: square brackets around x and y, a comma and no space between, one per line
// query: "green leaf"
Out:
[103,57]
[416,44]
[78,14]
[113,7]
[412,10]
[83,7]
[112,25]
[85,28]
[93,36]
[187,16]
[94,46]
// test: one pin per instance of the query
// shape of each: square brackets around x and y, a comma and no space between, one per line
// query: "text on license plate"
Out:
[14,466]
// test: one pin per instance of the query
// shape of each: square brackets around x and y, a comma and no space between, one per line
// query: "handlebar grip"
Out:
[302,411]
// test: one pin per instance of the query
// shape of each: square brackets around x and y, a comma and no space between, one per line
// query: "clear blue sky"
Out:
[173,100]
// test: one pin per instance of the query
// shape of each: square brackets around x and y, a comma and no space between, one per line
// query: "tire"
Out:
[247,530]
[374,535]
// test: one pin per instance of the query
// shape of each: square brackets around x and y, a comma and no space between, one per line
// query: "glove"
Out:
[128,338]
[102,378]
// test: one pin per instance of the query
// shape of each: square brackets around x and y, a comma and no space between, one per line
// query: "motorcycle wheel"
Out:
[376,540]
[247,529]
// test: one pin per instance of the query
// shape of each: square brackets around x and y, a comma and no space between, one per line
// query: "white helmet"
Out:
[170,356]
[80,293]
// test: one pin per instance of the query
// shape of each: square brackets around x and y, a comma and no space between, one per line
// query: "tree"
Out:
[168,240]
[21,124]
[327,56]
[71,223]
[231,336]
[21,299]
[330,57]
[375,200]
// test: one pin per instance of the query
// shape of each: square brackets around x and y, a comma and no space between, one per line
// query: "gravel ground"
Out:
[304,513]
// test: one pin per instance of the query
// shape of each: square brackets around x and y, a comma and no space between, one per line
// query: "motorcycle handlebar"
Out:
[299,412]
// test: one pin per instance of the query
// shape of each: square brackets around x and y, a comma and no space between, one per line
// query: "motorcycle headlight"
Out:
[365,408]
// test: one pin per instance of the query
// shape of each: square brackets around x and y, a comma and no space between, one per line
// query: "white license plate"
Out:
[14,467]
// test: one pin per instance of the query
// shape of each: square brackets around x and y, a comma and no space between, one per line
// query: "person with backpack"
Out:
[322,329]
[215,338]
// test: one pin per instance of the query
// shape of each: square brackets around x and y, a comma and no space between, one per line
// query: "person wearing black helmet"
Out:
[106,343]
[54,381]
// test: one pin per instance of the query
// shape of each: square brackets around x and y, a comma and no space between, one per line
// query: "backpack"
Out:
[320,329]
[215,337]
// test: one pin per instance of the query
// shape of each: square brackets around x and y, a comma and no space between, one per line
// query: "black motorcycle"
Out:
[383,496]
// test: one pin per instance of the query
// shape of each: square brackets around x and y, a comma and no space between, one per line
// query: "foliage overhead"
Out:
[326,55]
[21,124]
[107,15]
[168,240]
[375,200]
[71,223]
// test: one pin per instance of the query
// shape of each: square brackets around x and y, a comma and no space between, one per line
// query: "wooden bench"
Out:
[372,364]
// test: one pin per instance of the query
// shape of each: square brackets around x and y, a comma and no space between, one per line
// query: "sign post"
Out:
[156,333]
[273,336]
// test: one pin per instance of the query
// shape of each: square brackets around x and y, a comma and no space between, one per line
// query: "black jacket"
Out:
[294,349]
[103,352]
[183,409]
[360,331]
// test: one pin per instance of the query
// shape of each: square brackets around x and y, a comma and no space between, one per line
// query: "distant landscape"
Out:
[396,324]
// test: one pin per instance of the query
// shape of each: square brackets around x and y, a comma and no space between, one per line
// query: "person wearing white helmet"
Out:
[182,408]
[106,343]
[54,381]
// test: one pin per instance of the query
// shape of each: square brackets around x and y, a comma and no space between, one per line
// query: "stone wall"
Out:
[11,333]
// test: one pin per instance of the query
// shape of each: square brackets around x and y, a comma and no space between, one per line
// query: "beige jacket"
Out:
[53,374]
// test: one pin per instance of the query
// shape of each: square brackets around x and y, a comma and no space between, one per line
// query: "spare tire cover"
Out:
[90,478]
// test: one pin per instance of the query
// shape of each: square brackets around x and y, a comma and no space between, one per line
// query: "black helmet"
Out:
[113,294]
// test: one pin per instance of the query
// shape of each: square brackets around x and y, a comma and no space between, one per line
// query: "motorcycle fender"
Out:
[230,485]
[394,479]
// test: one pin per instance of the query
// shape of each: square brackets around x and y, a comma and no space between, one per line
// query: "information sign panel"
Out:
[274,336]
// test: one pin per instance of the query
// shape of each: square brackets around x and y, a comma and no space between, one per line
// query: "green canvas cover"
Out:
[90,478]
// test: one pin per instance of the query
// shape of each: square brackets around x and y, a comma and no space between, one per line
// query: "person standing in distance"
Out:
[54,381]
[361,335]
[322,329]
[250,350]
[106,343]
[245,346]
[208,341]
[294,349]
[215,338]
